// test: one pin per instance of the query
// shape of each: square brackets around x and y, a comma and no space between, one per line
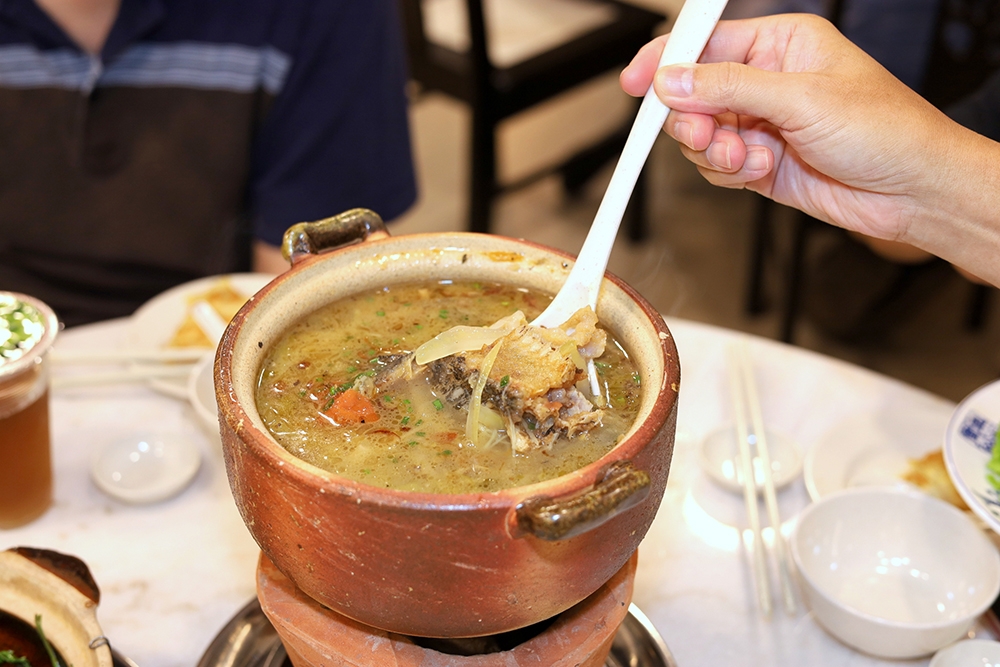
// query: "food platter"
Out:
[249,640]
[869,449]
[154,324]
[968,445]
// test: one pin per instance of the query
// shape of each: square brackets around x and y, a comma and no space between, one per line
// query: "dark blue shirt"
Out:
[201,125]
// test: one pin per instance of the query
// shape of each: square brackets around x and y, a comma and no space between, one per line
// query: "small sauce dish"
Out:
[145,467]
[719,457]
[968,653]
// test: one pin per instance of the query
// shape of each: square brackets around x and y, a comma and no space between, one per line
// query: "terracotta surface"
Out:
[61,590]
[314,636]
[435,564]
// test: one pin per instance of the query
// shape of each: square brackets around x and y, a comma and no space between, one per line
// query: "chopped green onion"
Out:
[45,642]
[8,657]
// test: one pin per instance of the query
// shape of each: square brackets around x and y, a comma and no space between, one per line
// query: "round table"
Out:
[173,573]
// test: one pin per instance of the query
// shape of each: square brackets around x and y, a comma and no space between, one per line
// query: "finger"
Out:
[739,40]
[756,171]
[691,129]
[725,152]
[637,76]
[727,88]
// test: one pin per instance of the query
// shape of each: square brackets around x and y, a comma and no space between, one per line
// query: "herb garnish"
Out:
[45,642]
[21,327]
[8,657]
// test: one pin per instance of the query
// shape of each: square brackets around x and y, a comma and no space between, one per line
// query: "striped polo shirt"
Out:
[201,125]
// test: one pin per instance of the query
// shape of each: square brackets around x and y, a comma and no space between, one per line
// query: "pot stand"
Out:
[315,636]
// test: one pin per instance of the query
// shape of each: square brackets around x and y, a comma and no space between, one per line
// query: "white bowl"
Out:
[893,572]
[201,394]
[968,446]
[968,653]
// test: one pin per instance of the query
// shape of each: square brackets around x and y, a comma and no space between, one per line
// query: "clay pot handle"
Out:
[621,488]
[311,238]
[70,569]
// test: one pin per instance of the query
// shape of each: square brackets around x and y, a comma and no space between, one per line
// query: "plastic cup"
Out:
[28,328]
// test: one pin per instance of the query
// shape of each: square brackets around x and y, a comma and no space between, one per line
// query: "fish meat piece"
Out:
[532,382]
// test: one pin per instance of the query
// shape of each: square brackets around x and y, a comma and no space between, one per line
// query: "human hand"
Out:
[788,107]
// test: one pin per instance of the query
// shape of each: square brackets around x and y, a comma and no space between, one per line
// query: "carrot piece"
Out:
[352,407]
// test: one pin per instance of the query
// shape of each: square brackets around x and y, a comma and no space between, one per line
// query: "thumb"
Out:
[717,88]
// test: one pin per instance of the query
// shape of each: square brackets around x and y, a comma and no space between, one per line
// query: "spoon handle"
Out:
[690,34]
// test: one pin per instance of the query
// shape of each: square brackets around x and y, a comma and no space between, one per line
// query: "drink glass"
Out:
[27,329]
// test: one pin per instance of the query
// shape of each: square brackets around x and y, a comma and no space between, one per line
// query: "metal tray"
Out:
[249,640]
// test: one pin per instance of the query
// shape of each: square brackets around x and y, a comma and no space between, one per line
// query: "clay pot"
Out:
[439,565]
[314,636]
[61,590]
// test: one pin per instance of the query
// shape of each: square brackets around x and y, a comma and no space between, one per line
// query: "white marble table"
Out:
[172,574]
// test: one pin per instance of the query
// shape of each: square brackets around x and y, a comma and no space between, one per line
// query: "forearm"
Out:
[267,258]
[959,215]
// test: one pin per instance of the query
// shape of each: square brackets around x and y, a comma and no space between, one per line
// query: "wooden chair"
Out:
[495,92]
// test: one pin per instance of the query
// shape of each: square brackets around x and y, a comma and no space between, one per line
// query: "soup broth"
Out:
[411,438]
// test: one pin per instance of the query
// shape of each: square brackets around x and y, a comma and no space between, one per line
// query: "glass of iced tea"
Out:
[27,329]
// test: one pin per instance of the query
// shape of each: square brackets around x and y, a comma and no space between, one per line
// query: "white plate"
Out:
[153,325]
[869,450]
[968,444]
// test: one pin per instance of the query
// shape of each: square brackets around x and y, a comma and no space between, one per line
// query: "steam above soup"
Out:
[343,390]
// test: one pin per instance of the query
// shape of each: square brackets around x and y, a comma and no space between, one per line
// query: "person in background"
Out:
[146,143]
[787,107]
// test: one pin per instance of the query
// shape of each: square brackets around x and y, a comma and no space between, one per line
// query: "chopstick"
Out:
[746,399]
[762,578]
[128,375]
[770,498]
[180,354]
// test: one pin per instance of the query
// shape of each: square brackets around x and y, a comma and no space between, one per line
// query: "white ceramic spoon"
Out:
[688,38]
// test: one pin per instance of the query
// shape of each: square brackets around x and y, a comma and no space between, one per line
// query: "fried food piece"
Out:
[223,298]
[930,475]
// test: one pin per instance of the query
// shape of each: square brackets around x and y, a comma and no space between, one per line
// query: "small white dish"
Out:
[145,467]
[870,450]
[718,457]
[201,394]
[154,324]
[968,446]
[968,653]
[893,572]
